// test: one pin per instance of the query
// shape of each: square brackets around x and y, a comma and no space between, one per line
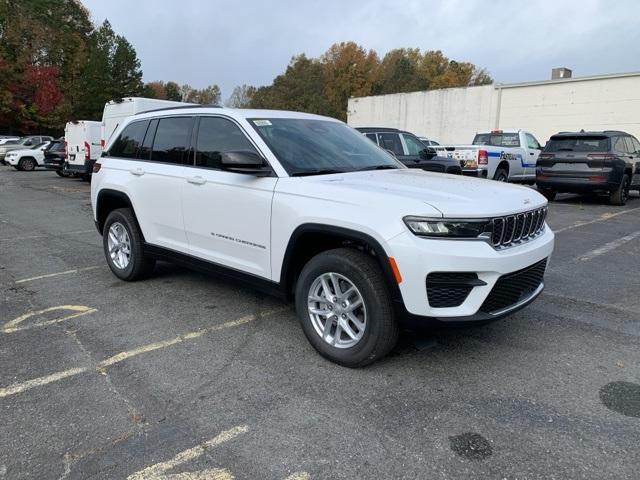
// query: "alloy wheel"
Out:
[119,245]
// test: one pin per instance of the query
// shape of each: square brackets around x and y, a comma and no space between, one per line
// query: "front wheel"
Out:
[123,246]
[27,164]
[344,305]
[621,194]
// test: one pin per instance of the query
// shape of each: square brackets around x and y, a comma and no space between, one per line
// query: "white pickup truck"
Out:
[503,155]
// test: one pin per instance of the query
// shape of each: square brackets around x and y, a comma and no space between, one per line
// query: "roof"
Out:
[582,133]
[238,113]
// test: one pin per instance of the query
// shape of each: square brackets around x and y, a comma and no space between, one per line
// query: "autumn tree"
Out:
[241,97]
[349,71]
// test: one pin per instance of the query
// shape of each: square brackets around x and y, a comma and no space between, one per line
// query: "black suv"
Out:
[55,156]
[590,162]
[410,150]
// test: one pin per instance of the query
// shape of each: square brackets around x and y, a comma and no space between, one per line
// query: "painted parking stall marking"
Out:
[122,356]
[609,246]
[74,311]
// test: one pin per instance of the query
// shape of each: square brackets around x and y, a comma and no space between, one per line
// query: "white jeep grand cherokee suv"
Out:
[302,205]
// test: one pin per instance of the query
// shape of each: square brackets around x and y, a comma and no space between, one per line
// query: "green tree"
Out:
[172,91]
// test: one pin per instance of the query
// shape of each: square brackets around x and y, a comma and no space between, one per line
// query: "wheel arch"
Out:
[109,200]
[307,240]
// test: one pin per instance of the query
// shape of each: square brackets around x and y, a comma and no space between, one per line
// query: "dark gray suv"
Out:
[410,150]
[605,162]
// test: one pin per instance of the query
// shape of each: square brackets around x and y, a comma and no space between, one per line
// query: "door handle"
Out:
[531,153]
[137,172]
[196,180]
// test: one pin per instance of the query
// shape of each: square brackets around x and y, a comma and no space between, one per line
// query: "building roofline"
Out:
[566,80]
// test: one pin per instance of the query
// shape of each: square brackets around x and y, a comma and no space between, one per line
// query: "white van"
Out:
[82,139]
[116,111]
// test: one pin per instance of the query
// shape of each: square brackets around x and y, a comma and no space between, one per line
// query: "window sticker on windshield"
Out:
[261,123]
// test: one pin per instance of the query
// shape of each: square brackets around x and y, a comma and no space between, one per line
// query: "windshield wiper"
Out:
[320,171]
[376,167]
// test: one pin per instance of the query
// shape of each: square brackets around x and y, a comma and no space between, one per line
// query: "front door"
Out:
[227,215]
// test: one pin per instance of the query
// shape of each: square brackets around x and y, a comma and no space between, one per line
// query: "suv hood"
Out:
[453,195]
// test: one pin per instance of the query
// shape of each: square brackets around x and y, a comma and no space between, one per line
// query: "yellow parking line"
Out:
[49,275]
[602,218]
[157,471]
[37,382]
[14,325]
[122,356]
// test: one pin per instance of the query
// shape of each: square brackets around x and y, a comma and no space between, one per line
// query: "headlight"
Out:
[449,228]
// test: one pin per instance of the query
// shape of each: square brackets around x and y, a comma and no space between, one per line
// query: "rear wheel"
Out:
[345,308]
[61,173]
[123,246]
[621,194]
[548,193]
[501,175]
[27,164]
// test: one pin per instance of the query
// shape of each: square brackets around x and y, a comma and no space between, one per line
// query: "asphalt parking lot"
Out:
[186,377]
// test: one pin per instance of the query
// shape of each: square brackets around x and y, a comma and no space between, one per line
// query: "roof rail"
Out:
[179,107]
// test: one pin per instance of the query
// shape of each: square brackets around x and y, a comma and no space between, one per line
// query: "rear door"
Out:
[151,155]
[391,141]
[227,215]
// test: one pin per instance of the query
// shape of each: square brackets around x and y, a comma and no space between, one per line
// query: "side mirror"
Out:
[244,161]
[428,153]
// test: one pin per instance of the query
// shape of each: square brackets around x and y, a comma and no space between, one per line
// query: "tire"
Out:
[361,271]
[501,175]
[60,173]
[621,194]
[27,164]
[548,194]
[138,265]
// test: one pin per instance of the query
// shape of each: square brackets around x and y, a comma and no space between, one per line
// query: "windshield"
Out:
[497,139]
[305,146]
[578,144]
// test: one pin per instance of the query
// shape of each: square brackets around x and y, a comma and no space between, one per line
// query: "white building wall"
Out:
[450,115]
[453,116]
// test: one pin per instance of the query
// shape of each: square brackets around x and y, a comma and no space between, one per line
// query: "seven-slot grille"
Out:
[514,229]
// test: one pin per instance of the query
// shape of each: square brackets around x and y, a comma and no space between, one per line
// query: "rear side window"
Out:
[636,145]
[216,136]
[391,141]
[629,144]
[172,140]
[566,143]
[127,144]
[144,153]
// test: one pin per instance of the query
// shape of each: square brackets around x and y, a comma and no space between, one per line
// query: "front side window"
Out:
[128,142]
[414,146]
[391,141]
[217,136]
[172,140]
[308,146]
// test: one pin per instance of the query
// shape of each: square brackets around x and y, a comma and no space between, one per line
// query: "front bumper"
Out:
[13,161]
[418,257]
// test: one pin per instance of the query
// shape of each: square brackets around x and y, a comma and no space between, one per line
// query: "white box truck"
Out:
[83,147]
[116,111]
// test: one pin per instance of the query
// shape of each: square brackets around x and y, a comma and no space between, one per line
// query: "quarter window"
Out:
[629,145]
[172,140]
[532,142]
[391,141]
[217,136]
[127,144]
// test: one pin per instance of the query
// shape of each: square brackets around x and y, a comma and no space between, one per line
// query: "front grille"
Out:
[450,289]
[512,288]
[519,228]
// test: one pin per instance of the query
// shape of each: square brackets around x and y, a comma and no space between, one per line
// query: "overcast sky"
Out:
[201,42]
